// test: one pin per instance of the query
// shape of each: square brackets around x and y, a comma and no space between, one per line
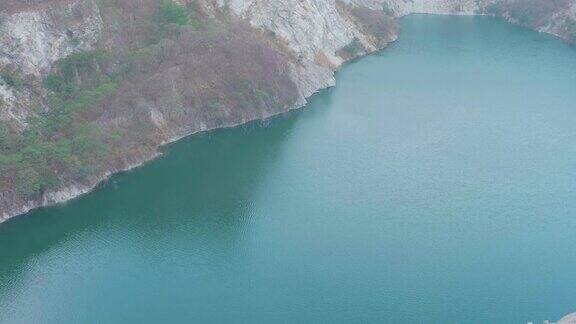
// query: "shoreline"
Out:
[76,190]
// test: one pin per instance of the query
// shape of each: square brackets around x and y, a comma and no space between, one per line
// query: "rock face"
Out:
[313,27]
[33,40]
[568,319]
[239,60]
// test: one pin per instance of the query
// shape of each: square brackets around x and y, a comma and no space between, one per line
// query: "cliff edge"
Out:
[92,87]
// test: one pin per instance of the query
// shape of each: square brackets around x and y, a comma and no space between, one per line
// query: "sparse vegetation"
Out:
[351,50]
[494,9]
[4,137]
[378,24]
[528,12]
[571,31]
[60,139]
[220,67]
[172,13]
[11,80]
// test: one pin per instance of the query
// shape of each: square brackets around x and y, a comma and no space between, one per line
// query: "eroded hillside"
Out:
[91,87]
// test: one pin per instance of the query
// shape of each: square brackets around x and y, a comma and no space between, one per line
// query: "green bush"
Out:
[34,165]
[54,83]
[84,64]
[69,95]
[172,13]
[11,80]
[27,182]
[4,137]
[60,140]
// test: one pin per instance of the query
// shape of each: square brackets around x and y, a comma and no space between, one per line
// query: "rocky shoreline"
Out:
[312,39]
[76,190]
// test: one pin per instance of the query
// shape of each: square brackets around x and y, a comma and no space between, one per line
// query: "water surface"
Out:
[435,184]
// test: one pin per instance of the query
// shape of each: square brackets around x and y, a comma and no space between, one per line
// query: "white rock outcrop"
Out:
[35,39]
[310,27]
[32,40]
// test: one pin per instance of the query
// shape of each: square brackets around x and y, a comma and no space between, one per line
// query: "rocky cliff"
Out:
[92,87]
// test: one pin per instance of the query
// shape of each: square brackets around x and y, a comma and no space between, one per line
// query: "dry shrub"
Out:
[377,23]
[226,74]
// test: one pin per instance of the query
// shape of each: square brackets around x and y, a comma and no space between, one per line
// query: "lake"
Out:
[435,184]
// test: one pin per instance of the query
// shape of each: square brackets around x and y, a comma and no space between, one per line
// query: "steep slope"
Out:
[92,87]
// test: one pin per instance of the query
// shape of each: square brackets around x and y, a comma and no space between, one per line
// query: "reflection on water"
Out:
[197,213]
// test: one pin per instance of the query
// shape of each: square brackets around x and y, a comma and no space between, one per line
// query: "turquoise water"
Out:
[435,184]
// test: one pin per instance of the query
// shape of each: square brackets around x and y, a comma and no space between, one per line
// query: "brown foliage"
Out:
[225,74]
[376,23]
